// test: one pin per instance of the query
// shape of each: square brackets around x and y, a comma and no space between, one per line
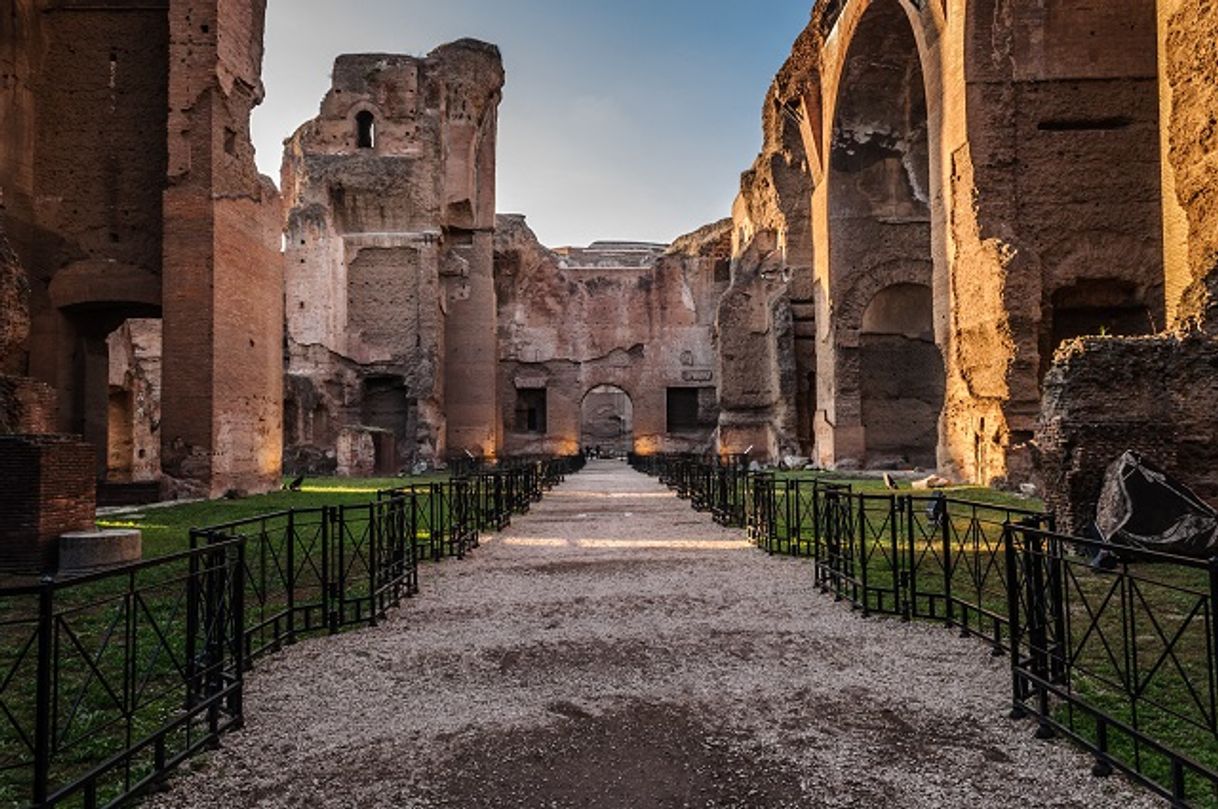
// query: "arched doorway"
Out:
[887,372]
[902,377]
[607,420]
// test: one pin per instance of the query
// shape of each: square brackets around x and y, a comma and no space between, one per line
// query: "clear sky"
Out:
[621,119]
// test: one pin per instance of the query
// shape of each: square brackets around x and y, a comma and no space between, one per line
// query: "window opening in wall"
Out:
[682,410]
[531,410]
[365,124]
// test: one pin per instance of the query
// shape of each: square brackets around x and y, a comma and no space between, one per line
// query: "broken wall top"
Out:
[401,144]
[461,80]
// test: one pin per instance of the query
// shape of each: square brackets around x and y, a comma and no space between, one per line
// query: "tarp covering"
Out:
[1143,506]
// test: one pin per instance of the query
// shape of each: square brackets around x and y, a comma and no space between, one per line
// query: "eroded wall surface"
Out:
[389,284]
[222,409]
[133,452]
[1155,395]
[1104,396]
[129,182]
[27,406]
[634,317]
[994,164]
[766,322]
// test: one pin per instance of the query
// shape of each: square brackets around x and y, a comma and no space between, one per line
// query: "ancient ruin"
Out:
[390,197]
[612,345]
[131,193]
[948,192]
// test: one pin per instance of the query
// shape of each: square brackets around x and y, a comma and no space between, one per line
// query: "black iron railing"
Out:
[1113,647]
[109,681]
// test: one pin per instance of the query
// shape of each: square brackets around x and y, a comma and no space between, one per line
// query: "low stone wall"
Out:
[1106,395]
[48,490]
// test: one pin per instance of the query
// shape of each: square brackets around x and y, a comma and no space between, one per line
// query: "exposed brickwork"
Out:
[390,197]
[48,490]
[1104,396]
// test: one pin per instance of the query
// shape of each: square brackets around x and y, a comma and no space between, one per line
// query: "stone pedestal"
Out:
[82,552]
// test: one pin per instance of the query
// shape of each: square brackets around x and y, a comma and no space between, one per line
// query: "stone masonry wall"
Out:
[390,302]
[639,318]
[1154,395]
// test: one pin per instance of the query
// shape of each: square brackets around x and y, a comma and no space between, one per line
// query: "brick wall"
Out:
[1104,396]
[48,490]
[26,406]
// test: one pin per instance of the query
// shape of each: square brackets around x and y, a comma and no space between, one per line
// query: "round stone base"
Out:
[89,551]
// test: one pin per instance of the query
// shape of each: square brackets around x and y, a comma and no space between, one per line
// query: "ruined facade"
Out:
[611,345]
[983,183]
[1154,394]
[390,197]
[131,192]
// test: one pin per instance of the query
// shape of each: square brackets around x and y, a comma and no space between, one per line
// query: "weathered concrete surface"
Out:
[636,317]
[613,649]
[391,310]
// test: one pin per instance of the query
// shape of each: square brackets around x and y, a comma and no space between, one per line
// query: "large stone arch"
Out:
[596,417]
[879,205]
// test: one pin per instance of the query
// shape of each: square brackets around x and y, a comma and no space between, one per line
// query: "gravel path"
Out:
[615,649]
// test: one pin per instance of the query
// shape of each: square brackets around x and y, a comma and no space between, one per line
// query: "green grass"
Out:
[166,530]
[92,636]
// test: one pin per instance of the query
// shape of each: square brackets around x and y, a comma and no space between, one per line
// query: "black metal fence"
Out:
[1119,654]
[109,681]
[1115,648]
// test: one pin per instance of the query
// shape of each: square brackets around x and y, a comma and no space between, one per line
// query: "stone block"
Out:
[83,552]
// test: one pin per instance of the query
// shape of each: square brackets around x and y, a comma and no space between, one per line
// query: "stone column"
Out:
[222,410]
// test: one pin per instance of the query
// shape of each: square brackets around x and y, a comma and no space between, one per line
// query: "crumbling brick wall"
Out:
[48,490]
[638,318]
[390,299]
[1106,395]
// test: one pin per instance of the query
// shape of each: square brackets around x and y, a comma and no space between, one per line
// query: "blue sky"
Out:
[621,119]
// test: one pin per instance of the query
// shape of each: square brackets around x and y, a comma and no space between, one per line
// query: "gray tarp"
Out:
[1143,506]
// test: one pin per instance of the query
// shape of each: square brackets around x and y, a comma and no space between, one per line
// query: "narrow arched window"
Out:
[365,126]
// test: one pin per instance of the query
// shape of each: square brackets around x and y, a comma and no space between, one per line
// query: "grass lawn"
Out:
[166,529]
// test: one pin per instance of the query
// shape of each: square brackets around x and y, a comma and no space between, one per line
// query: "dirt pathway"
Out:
[616,649]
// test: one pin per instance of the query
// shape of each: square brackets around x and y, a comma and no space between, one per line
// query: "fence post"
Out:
[862,547]
[1012,566]
[900,578]
[1212,617]
[236,699]
[290,581]
[43,721]
[1034,551]
[1059,669]
[373,550]
[327,568]
[816,528]
[949,605]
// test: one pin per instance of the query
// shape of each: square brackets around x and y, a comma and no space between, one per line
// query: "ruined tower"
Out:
[389,263]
